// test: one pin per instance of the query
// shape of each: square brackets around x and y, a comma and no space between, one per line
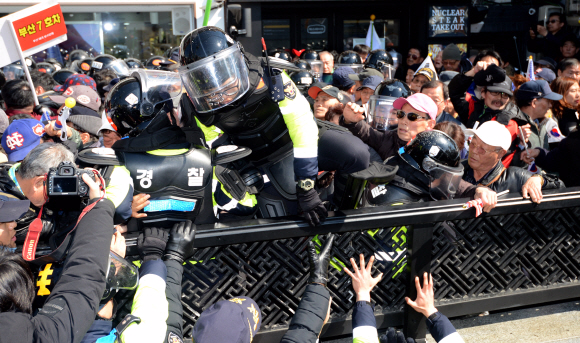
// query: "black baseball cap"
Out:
[334,92]
[12,208]
[537,89]
[505,86]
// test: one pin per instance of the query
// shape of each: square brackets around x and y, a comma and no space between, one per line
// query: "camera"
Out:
[66,181]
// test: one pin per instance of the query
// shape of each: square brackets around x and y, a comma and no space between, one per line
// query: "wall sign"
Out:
[448,21]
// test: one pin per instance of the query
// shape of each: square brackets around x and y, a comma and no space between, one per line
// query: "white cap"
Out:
[493,133]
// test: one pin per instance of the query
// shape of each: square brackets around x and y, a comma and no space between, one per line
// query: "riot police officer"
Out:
[382,114]
[350,59]
[257,106]
[382,61]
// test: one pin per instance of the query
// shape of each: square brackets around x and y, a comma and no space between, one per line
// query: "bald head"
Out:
[327,62]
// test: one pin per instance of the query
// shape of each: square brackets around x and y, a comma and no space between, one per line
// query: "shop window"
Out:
[314,34]
[276,33]
[355,32]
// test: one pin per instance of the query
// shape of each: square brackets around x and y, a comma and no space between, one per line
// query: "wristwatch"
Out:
[306,184]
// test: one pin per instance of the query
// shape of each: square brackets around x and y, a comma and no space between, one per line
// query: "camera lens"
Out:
[82,189]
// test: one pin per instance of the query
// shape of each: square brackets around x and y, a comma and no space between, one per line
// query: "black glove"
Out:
[151,243]
[319,263]
[313,209]
[395,337]
[180,245]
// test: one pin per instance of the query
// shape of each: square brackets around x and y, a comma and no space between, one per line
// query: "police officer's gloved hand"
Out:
[313,209]
[319,263]
[395,337]
[180,245]
[151,243]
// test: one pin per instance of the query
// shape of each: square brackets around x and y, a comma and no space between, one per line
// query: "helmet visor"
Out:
[159,87]
[316,69]
[120,68]
[388,71]
[444,179]
[382,116]
[121,274]
[358,68]
[216,81]
[12,72]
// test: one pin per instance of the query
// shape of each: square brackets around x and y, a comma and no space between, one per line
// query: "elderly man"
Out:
[451,58]
[327,66]
[439,93]
[534,98]
[496,92]
[490,142]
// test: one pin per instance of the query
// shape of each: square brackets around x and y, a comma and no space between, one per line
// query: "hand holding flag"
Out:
[63,116]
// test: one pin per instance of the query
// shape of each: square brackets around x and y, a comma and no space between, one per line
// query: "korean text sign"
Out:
[40,27]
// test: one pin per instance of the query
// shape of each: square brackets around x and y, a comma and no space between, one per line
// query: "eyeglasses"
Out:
[413,56]
[553,21]
[477,148]
[411,115]
[503,95]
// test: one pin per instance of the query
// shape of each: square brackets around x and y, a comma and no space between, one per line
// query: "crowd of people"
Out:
[101,147]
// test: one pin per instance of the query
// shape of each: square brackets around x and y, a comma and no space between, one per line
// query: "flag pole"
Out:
[372,29]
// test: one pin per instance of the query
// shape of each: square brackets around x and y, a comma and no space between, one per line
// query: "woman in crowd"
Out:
[566,110]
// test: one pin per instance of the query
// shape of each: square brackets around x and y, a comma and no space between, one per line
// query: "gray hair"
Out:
[43,157]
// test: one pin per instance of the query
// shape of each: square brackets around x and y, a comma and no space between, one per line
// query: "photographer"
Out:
[72,306]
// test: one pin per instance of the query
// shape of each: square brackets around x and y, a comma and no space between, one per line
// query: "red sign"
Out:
[40,27]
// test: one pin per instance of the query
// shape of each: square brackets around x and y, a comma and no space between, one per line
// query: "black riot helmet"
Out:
[133,63]
[281,54]
[85,65]
[57,65]
[203,42]
[382,61]
[60,76]
[45,67]
[309,55]
[436,155]
[303,79]
[154,62]
[136,100]
[302,64]
[14,70]
[349,57]
[102,62]
[213,69]
[382,115]
[77,55]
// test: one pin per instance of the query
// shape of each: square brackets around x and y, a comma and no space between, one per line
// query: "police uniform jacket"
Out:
[71,308]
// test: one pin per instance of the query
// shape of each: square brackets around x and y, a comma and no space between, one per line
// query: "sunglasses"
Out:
[411,115]
[413,56]
[553,21]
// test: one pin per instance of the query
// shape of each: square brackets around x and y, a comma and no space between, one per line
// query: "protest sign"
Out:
[448,21]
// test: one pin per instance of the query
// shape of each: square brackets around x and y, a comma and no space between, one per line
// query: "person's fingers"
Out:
[328,245]
[525,191]
[377,279]
[348,272]
[477,210]
[362,261]
[139,215]
[417,285]
[370,264]
[425,282]
[431,280]
[354,266]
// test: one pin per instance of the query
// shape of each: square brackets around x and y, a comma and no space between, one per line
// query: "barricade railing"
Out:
[519,254]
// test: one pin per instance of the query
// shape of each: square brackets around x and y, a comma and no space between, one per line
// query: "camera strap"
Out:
[35,228]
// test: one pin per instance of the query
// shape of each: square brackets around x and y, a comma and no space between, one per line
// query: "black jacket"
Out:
[568,122]
[565,159]
[71,308]
[469,113]
[549,45]
[309,317]
[173,294]
[386,143]
[500,179]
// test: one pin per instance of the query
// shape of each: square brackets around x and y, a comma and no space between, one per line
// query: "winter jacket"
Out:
[537,139]
[309,316]
[71,308]
[386,143]
[565,159]
[569,121]
[513,179]
[549,45]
